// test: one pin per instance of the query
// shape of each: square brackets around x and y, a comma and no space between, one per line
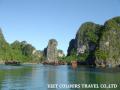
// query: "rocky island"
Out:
[18,52]
[52,53]
[94,45]
[97,45]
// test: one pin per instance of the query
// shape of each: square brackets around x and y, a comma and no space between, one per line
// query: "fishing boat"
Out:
[14,63]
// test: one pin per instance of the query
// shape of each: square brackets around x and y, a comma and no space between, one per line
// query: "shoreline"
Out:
[2,62]
[78,65]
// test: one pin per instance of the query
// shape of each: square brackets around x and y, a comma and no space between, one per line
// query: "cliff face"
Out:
[108,51]
[98,44]
[87,38]
[52,51]
[72,45]
[85,42]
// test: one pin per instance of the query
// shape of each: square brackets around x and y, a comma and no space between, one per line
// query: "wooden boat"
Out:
[74,64]
[14,63]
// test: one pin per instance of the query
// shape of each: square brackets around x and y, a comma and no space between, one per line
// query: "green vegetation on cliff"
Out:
[93,44]
[18,51]
[85,42]
[108,50]
[98,44]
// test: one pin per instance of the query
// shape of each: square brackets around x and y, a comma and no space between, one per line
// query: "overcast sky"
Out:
[37,21]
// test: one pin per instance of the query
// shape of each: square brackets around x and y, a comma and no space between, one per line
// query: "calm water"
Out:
[37,77]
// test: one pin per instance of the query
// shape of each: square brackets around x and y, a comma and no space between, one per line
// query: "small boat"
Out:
[74,64]
[14,63]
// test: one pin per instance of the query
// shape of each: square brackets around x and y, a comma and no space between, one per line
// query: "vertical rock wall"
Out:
[52,51]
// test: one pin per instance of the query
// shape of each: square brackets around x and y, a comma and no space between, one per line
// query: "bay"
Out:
[38,76]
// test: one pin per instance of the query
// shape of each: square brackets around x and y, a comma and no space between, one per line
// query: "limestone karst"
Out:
[52,51]
[108,50]
[98,44]
[18,51]
[93,44]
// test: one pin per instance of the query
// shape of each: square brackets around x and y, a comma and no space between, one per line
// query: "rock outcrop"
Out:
[98,44]
[72,45]
[52,51]
[86,39]
[60,53]
[37,55]
[52,55]
[108,51]
[85,42]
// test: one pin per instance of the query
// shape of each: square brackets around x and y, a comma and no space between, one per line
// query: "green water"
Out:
[37,77]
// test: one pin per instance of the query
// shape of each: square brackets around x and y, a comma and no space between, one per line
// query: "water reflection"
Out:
[84,75]
[37,77]
[13,77]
